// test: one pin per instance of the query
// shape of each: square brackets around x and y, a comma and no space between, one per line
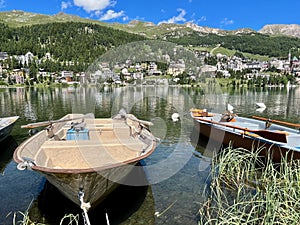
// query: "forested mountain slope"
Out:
[71,38]
[68,41]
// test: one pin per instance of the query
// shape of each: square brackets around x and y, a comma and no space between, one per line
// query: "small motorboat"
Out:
[265,135]
[6,126]
[86,157]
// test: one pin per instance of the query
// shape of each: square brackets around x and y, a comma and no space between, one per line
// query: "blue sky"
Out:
[228,15]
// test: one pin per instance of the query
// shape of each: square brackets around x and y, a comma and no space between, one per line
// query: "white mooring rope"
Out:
[107,220]
[85,206]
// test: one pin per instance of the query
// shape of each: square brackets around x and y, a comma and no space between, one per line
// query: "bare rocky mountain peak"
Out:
[138,22]
[202,29]
[281,29]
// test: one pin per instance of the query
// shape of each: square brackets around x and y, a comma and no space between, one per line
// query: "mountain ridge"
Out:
[70,37]
[17,18]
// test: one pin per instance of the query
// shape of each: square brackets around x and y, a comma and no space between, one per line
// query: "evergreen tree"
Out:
[33,70]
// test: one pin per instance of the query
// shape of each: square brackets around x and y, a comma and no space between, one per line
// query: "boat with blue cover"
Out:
[267,136]
[86,157]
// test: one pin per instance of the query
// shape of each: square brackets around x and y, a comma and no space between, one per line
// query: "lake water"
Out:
[176,173]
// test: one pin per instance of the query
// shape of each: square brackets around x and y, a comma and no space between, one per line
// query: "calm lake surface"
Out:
[176,173]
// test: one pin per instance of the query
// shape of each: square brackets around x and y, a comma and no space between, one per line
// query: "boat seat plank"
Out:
[247,125]
[130,146]
[89,156]
[293,140]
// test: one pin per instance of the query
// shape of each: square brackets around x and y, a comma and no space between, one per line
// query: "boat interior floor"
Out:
[105,146]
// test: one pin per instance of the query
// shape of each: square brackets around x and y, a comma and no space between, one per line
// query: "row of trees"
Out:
[258,81]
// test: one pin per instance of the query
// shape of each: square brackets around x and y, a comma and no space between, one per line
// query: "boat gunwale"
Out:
[13,120]
[94,169]
[8,125]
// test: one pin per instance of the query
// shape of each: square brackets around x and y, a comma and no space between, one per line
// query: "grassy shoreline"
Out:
[246,190]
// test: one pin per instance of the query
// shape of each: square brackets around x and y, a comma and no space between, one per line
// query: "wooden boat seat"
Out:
[102,127]
[87,144]
[84,154]
[250,126]
[250,134]
[293,140]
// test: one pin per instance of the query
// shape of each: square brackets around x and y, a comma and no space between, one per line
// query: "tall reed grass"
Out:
[247,189]
[69,219]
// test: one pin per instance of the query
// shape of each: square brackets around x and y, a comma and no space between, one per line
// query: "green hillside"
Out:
[151,30]
[254,43]
[65,37]
[18,18]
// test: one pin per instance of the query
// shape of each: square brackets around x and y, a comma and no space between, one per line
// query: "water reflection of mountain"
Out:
[7,149]
[126,205]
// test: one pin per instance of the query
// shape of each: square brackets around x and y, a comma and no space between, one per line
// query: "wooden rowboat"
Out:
[6,126]
[270,139]
[84,157]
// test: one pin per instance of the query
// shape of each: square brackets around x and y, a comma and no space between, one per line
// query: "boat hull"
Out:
[6,130]
[95,185]
[239,140]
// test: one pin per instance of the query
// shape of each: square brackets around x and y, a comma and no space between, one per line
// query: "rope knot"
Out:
[85,206]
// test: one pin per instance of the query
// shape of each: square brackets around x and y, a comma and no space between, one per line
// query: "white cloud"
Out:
[203,18]
[174,19]
[110,14]
[226,22]
[125,18]
[65,5]
[200,20]
[2,4]
[94,5]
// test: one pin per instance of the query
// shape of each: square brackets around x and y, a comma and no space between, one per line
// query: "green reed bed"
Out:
[247,189]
